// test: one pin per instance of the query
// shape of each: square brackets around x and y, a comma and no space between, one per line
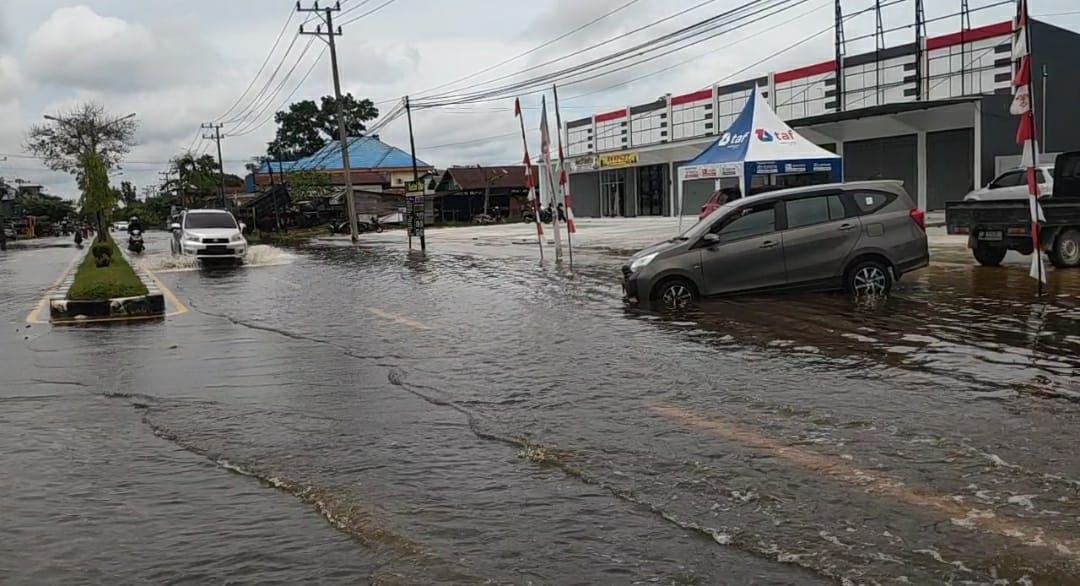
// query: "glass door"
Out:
[651,190]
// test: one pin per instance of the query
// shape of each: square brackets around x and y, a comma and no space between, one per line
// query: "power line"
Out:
[602,43]
[712,27]
[238,118]
[254,123]
[543,45]
[368,13]
[262,67]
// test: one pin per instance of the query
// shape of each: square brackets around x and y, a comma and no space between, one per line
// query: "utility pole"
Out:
[415,172]
[327,16]
[216,136]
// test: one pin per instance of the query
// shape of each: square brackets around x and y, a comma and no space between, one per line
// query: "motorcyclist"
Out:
[135,224]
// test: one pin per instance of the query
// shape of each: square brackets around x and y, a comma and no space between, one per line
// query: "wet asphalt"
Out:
[340,414]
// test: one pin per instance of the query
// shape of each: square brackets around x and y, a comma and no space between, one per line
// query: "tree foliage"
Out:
[306,127]
[46,206]
[309,186]
[64,141]
[97,198]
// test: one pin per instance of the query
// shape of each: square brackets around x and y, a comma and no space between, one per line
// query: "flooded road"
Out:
[369,415]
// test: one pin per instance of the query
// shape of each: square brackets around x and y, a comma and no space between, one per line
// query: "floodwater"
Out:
[341,414]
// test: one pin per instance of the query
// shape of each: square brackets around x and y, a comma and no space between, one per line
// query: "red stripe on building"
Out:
[694,97]
[808,71]
[976,34]
[611,116]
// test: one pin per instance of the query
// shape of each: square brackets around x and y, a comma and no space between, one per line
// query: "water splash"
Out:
[259,255]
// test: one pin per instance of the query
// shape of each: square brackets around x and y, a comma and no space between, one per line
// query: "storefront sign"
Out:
[415,216]
[729,170]
[823,167]
[585,163]
[794,167]
[767,169]
[618,160]
[414,187]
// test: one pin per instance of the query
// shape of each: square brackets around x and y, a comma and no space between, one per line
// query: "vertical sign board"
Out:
[414,205]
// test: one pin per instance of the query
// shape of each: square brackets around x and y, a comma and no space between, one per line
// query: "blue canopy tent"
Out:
[759,143]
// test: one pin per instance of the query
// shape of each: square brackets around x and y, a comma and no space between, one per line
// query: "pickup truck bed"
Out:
[994,227]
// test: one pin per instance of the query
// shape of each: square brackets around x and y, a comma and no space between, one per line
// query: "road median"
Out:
[117,291]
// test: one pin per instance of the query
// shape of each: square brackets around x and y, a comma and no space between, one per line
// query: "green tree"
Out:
[126,194]
[64,140]
[97,198]
[306,127]
[309,186]
[46,206]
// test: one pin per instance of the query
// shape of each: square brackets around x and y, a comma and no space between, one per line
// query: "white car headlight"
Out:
[640,263]
[236,238]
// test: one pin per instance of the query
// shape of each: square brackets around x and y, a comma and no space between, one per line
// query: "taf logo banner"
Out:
[775,136]
[730,139]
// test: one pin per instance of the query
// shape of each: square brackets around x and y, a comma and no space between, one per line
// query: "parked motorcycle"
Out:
[135,241]
[546,214]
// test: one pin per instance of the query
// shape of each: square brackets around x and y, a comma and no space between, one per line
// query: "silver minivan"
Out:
[860,237]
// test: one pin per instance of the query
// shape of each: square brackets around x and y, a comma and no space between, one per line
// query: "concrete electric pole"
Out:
[328,35]
[216,136]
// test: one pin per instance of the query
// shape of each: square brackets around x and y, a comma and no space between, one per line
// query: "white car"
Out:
[1013,185]
[120,226]
[208,234]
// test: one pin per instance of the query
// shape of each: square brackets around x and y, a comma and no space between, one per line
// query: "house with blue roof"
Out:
[375,165]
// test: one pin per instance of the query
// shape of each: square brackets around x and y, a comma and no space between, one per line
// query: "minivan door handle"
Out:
[768,244]
[846,227]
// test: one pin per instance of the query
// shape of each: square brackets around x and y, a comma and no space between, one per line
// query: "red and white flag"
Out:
[545,157]
[564,178]
[530,181]
[1025,133]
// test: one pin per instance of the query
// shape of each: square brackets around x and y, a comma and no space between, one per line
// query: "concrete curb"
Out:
[151,305]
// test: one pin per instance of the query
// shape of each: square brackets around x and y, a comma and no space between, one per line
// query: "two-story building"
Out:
[933,113]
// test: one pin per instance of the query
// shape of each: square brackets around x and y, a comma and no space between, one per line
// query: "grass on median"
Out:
[116,280]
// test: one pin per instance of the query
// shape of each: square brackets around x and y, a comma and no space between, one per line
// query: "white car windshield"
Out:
[209,221]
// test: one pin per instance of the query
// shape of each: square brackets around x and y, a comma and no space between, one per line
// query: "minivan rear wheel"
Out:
[675,294]
[988,255]
[869,278]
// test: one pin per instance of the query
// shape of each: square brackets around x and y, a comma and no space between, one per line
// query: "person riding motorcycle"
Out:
[135,224]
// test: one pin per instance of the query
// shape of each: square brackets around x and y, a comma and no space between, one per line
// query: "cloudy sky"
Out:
[178,63]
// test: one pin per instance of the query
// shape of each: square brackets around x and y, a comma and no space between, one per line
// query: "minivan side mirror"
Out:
[174,227]
[710,239]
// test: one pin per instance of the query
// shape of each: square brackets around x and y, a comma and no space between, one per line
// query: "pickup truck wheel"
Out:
[989,256]
[1065,254]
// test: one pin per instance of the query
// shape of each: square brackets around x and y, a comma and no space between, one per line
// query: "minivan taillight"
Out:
[919,217]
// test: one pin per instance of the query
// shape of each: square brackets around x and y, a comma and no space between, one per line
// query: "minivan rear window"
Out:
[869,202]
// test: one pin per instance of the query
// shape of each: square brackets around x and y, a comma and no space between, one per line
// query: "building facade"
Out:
[933,114]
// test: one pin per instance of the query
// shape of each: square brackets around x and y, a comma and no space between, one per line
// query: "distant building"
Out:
[460,192]
[375,165]
[933,113]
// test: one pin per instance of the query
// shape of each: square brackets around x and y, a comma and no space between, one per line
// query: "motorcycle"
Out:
[78,239]
[135,241]
[529,216]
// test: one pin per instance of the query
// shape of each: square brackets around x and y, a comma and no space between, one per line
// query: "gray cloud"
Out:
[76,47]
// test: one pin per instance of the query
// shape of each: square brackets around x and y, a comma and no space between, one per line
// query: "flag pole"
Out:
[564,181]
[545,158]
[530,181]
[1032,179]
[1027,119]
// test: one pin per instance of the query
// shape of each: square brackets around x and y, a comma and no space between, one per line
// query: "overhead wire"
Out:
[281,34]
[543,45]
[368,13]
[255,124]
[710,28]
[603,43]
[268,101]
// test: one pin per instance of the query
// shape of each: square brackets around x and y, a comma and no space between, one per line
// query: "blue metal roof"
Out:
[365,152]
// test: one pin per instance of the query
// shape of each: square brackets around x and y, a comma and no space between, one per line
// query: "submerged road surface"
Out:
[349,415]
